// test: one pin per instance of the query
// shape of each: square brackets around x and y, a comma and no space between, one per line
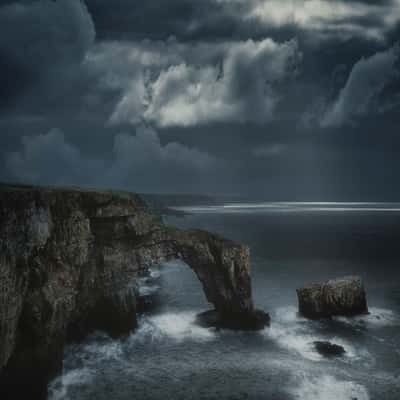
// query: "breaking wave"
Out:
[177,326]
[295,333]
[377,318]
[58,389]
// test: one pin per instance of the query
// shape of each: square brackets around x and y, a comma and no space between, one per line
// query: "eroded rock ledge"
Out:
[68,264]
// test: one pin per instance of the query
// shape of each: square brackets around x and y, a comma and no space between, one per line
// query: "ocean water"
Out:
[169,357]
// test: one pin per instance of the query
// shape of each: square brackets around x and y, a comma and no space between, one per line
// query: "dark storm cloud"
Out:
[45,47]
[158,19]
[281,98]
[32,163]
[211,19]
[41,43]
[49,158]
[181,82]
[173,82]
[361,94]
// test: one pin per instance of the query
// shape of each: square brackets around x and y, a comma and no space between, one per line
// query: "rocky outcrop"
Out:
[244,321]
[69,263]
[344,296]
[328,349]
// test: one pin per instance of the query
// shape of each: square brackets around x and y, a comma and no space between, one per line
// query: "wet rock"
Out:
[328,349]
[148,300]
[254,321]
[344,296]
[69,260]
[148,297]
[148,303]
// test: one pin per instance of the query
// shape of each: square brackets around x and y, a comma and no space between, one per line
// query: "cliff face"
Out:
[69,260]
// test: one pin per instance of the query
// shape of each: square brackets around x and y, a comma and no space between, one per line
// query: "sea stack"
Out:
[342,296]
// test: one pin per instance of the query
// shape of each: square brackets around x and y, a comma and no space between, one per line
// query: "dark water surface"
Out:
[169,357]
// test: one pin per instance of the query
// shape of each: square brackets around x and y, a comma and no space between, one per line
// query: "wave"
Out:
[103,350]
[148,290]
[177,326]
[377,318]
[327,387]
[58,389]
[295,333]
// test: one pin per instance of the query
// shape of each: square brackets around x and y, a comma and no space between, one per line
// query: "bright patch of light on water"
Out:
[292,207]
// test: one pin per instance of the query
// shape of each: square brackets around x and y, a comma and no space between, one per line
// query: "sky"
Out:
[267,99]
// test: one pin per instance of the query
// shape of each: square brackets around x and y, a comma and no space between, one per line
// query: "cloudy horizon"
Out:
[270,99]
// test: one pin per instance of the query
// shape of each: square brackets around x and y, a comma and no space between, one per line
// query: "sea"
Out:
[291,244]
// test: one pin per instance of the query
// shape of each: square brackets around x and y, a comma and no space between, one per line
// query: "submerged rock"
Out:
[255,320]
[344,296]
[69,264]
[328,349]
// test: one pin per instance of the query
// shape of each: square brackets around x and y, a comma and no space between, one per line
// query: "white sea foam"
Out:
[147,290]
[93,353]
[377,318]
[147,285]
[299,342]
[110,349]
[296,333]
[154,273]
[177,326]
[288,314]
[58,389]
[329,388]
[291,333]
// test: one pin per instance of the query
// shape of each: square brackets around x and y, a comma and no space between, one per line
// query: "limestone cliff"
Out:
[69,260]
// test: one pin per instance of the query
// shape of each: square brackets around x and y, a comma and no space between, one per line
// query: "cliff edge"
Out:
[69,260]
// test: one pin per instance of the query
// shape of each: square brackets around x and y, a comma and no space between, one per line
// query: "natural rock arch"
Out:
[69,259]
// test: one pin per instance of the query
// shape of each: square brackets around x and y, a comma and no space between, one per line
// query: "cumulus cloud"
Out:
[366,82]
[175,84]
[140,162]
[48,158]
[322,19]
